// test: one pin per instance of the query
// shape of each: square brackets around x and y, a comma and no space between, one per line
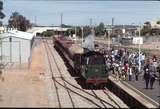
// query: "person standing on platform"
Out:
[146,75]
[130,73]
[152,79]
[134,70]
[136,73]
[158,70]
[152,70]
[126,68]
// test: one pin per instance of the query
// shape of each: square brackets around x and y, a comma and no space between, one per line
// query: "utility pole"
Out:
[109,30]
[82,35]
[61,19]
[112,24]
[35,20]
[75,34]
[92,27]
[75,31]
[109,34]
[123,31]
[139,68]
[112,21]
[61,22]
[90,22]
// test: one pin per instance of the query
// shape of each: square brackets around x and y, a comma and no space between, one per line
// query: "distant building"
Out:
[131,40]
[130,30]
[155,24]
[16,46]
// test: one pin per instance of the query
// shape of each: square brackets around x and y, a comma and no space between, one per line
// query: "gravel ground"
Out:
[23,87]
[34,87]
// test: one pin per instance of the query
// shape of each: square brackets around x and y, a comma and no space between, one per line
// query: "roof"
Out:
[18,34]
[125,26]
[76,49]
[42,29]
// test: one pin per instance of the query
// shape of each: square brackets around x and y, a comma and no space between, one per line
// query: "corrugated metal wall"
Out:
[17,51]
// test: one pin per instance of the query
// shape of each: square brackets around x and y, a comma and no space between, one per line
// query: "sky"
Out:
[79,12]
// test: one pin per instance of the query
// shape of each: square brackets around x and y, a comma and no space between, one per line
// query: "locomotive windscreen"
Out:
[95,60]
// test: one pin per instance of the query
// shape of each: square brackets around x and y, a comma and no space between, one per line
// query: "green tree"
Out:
[100,29]
[146,29]
[86,31]
[69,32]
[101,26]
[19,21]
[79,31]
[47,33]
[65,26]
[158,22]
[2,15]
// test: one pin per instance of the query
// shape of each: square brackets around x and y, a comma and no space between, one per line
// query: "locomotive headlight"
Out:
[96,70]
[85,69]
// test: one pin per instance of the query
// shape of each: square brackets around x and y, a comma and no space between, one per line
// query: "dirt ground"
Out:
[24,87]
[154,46]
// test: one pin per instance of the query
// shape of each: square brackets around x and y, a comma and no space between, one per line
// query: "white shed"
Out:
[16,46]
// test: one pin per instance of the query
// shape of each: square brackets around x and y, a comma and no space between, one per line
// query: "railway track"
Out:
[98,97]
[63,85]
[55,85]
[54,78]
[69,87]
[106,93]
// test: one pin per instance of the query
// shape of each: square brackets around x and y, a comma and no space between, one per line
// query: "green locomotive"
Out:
[88,64]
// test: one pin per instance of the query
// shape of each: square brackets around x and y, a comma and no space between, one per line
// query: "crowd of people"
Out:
[123,64]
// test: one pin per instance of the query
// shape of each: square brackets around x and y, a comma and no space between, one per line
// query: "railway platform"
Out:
[134,93]
[140,85]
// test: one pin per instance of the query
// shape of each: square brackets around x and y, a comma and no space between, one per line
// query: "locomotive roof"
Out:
[76,49]
[89,53]
[69,44]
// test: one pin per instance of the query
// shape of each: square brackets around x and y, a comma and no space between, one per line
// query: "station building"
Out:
[16,47]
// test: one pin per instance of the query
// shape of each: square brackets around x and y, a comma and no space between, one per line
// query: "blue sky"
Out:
[76,12]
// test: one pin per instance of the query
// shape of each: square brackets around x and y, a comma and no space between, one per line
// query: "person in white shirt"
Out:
[130,73]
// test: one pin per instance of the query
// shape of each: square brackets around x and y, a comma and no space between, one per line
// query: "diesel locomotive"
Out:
[87,64]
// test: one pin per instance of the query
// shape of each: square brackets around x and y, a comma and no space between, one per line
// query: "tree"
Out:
[100,29]
[69,32]
[158,22]
[147,24]
[47,33]
[79,31]
[2,15]
[101,26]
[65,26]
[86,31]
[19,21]
[146,29]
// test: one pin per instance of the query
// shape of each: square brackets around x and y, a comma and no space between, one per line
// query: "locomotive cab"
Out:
[95,68]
